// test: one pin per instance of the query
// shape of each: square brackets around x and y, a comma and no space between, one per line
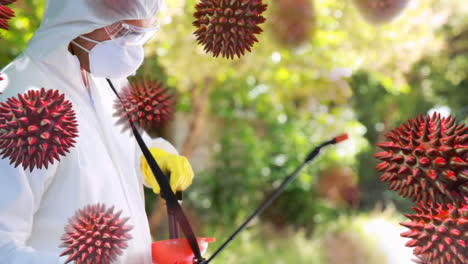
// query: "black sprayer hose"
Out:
[274,195]
[171,199]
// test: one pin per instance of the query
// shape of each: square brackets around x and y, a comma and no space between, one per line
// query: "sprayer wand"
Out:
[272,197]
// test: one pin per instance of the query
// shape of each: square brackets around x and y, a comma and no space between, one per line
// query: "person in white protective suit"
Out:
[79,44]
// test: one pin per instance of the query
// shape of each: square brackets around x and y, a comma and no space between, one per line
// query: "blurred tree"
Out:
[443,77]
[436,80]
[273,104]
[379,111]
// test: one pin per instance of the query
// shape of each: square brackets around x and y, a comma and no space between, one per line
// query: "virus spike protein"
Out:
[4,24]
[95,235]
[5,13]
[426,159]
[439,236]
[148,104]
[36,128]
[228,27]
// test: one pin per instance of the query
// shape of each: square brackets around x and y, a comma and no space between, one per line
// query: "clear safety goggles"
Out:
[130,34]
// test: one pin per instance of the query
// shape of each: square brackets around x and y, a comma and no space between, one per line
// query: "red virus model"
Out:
[292,21]
[148,104]
[95,235]
[427,159]
[5,13]
[228,27]
[380,11]
[36,128]
[439,235]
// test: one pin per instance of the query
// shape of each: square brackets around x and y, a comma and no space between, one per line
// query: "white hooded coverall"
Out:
[103,167]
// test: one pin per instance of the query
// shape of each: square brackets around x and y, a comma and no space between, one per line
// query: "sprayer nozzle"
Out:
[341,138]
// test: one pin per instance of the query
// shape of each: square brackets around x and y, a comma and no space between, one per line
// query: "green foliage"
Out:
[264,140]
[27,20]
[379,110]
[444,79]
[436,80]
[262,244]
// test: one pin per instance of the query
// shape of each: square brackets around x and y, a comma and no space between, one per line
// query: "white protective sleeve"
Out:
[20,197]
[21,190]
[22,194]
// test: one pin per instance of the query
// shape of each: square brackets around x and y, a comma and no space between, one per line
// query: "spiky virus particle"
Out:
[228,27]
[380,11]
[95,235]
[426,159]
[438,235]
[292,21]
[3,24]
[36,128]
[148,104]
[5,13]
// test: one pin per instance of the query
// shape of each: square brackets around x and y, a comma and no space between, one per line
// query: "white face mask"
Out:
[110,59]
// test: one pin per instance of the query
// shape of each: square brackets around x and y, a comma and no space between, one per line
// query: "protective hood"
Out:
[64,20]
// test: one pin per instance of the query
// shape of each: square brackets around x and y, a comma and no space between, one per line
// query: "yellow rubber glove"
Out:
[175,166]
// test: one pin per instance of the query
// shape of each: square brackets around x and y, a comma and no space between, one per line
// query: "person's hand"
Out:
[176,167]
